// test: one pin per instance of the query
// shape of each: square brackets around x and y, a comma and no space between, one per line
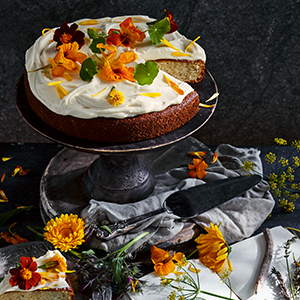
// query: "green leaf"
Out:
[117,267]
[92,33]
[158,30]
[145,73]
[88,69]
[95,42]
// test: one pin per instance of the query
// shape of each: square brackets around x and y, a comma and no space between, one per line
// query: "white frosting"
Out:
[79,101]
[61,283]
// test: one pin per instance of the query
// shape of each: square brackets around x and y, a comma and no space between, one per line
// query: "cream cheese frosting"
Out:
[81,101]
[61,283]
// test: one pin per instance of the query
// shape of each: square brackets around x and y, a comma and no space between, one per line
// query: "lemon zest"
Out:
[206,105]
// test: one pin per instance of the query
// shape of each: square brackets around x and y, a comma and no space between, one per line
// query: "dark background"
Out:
[252,52]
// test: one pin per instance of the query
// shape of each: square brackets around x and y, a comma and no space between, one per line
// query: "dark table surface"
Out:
[24,190]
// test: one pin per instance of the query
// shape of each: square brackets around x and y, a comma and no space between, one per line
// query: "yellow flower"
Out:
[164,261]
[197,169]
[115,97]
[247,166]
[280,141]
[270,157]
[65,232]
[296,145]
[57,263]
[213,250]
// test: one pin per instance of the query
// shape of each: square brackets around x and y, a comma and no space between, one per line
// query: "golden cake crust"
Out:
[110,130]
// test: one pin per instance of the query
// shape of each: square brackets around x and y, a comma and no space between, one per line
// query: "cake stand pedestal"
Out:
[106,172]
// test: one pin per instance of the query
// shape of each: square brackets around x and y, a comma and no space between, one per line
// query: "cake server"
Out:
[186,203]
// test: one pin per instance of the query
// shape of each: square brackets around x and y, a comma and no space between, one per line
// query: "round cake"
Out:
[114,80]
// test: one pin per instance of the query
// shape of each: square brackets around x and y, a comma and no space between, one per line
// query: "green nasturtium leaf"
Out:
[94,44]
[88,69]
[158,30]
[92,33]
[145,73]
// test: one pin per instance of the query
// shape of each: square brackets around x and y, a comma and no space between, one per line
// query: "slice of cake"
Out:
[43,278]
[97,79]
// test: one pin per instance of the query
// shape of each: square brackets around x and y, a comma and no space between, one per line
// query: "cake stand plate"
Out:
[107,172]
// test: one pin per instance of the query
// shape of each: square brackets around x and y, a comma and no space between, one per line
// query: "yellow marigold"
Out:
[213,250]
[65,232]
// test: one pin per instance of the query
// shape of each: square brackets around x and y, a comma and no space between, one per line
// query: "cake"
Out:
[45,279]
[118,85]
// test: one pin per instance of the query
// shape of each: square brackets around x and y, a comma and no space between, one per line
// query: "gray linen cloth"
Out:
[240,216]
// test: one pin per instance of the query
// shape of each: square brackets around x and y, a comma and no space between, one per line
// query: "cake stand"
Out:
[87,170]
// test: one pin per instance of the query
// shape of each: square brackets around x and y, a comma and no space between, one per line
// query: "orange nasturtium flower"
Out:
[65,232]
[128,35]
[114,69]
[164,261]
[171,19]
[115,97]
[213,250]
[66,59]
[197,169]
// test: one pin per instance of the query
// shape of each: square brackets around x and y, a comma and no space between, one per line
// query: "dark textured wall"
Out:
[252,51]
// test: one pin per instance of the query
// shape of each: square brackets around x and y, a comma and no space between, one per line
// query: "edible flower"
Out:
[165,261]
[25,276]
[127,36]
[65,232]
[66,59]
[3,197]
[115,97]
[171,19]
[68,34]
[61,91]
[174,86]
[57,263]
[19,171]
[213,250]
[197,169]
[114,69]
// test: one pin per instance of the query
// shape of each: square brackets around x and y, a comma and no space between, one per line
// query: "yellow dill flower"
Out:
[247,166]
[296,145]
[213,250]
[294,197]
[289,207]
[296,162]
[280,141]
[284,161]
[286,193]
[283,202]
[273,177]
[65,232]
[295,186]
[273,185]
[276,193]
[270,157]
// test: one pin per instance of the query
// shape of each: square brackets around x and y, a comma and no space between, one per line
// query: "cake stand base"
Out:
[61,185]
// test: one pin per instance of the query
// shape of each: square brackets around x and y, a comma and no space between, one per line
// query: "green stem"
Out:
[35,231]
[192,253]
[290,280]
[214,295]
[75,253]
[126,246]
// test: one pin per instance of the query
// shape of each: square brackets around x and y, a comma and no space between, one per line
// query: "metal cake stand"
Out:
[87,170]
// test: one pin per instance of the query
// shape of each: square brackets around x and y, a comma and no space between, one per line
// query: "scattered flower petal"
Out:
[88,22]
[167,43]
[3,176]
[6,158]
[152,95]
[176,54]
[99,92]
[3,197]
[174,86]
[192,43]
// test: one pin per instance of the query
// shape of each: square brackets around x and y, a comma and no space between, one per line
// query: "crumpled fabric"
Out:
[239,217]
